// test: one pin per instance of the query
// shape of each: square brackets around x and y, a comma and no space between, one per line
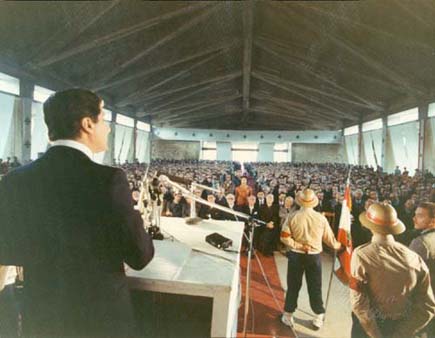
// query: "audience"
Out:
[279,181]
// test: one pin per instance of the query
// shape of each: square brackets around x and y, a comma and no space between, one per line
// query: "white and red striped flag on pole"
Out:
[344,236]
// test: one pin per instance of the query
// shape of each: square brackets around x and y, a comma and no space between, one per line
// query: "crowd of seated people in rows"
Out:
[267,192]
[8,164]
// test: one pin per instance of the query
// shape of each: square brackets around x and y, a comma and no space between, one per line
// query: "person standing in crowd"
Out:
[268,235]
[424,245]
[391,295]
[251,210]
[287,210]
[231,200]
[303,235]
[70,223]
[242,192]
[260,200]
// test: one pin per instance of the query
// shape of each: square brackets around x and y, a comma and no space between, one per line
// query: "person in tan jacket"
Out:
[303,234]
[391,295]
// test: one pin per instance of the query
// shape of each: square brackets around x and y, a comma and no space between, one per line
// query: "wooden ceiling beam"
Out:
[210,82]
[210,104]
[117,35]
[180,30]
[265,45]
[174,76]
[359,53]
[138,75]
[368,28]
[278,83]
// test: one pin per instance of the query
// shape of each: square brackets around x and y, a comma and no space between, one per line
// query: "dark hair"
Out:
[64,110]
[430,207]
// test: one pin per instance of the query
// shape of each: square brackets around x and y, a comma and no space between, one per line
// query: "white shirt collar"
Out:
[76,145]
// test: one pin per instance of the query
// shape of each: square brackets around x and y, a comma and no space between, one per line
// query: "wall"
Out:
[319,153]
[175,150]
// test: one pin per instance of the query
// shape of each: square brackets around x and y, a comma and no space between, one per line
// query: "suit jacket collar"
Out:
[75,145]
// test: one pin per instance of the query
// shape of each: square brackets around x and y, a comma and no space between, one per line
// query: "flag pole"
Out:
[328,293]
[330,282]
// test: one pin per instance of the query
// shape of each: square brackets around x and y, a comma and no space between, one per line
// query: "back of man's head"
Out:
[64,110]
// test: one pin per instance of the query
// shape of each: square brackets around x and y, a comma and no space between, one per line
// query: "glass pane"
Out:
[431,111]
[206,144]
[9,84]
[40,94]
[210,155]
[125,120]
[245,145]
[403,117]
[143,126]
[351,130]
[372,125]
[280,146]
[244,156]
[280,156]
[107,115]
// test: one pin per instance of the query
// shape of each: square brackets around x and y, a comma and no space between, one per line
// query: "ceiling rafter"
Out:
[206,105]
[369,28]
[180,30]
[359,53]
[278,83]
[176,75]
[138,75]
[179,89]
[117,35]
[287,59]
[301,111]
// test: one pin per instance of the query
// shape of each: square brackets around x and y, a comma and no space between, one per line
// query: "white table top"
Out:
[187,264]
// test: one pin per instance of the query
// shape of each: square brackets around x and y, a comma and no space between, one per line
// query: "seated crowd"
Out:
[267,192]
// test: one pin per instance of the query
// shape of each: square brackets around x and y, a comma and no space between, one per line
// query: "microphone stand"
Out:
[252,222]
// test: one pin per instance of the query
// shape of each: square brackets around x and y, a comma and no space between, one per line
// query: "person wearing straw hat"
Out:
[303,234]
[391,295]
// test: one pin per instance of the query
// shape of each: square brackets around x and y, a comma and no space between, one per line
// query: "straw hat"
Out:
[307,198]
[382,219]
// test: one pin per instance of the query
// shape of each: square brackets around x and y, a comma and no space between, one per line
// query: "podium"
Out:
[195,275]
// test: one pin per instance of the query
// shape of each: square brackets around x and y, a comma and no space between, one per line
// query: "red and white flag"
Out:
[345,238]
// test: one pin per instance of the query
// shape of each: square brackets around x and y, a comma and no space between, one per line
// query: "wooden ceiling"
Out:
[296,65]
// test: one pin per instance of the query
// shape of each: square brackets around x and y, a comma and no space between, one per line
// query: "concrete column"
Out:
[422,119]
[112,138]
[223,151]
[289,152]
[265,152]
[134,140]
[360,144]
[26,94]
[384,142]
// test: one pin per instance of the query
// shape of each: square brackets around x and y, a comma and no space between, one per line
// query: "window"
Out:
[372,125]
[9,84]
[124,120]
[143,126]
[280,152]
[403,117]
[351,130]
[107,115]
[40,94]
[245,152]
[431,111]
[208,151]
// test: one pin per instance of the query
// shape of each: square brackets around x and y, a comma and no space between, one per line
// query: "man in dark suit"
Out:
[70,223]
[268,235]
[251,210]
